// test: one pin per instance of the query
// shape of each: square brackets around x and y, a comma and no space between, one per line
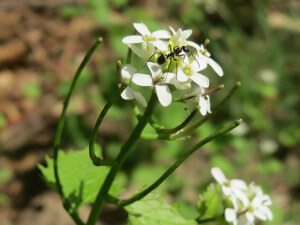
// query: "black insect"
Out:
[176,52]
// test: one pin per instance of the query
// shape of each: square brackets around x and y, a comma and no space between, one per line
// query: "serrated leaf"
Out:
[153,210]
[80,179]
[210,203]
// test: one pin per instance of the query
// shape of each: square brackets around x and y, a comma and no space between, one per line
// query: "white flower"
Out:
[204,56]
[147,37]
[159,80]
[189,70]
[258,207]
[128,93]
[231,216]
[255,206]
[234,189]
[179,38]
[203,100]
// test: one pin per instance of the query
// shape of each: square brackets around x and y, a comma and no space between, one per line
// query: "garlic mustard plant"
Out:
[171,68]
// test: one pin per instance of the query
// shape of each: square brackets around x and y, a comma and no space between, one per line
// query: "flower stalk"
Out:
[177,163]
[193,127]
[126,149]
[60,127]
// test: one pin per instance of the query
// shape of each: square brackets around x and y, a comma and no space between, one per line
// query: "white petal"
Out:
[250,217]
[234,201]
[140,98]
[257,201]
[187,33]
[203,106]
[168,77]
[160,45]
[218,175]
[216,67]
[267,212]
[208,104]
[180,85]
[161,34]
[240,184]
[227,191]
[198,91]
[231,216]
[127,94]
[164,94]
[142,80]
[142,52]
[181,77]
[202,59]
[155,70]
[127,72]
[194,45]
[260,215]
[198,64]
[266,200]
[200,79]
[172,30]
[133,39]
[142,29]
[241,195]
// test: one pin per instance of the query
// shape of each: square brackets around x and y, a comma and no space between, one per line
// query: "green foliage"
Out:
[250,49]
[32,91]
[2,120]
[3,199]
[153,210]
[5,175]
[210,203]
[144,175]
[80,179]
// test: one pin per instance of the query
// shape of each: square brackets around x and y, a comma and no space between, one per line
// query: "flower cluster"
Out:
[175,64]
[247,202]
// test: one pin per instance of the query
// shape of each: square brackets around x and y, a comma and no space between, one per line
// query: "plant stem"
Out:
[97,161]
[190,129]
[199,221]
[126,149]
[60,126]
[177,163]
[180,126]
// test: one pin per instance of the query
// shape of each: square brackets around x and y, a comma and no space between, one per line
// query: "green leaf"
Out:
[153,210]
[210,203]
[80,179]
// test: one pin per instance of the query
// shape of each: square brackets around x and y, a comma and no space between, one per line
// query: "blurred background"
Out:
[256,42]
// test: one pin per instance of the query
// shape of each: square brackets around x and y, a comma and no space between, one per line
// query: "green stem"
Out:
[199,221]
[177,163]
[60,126]
[180,126]
[97,161]
[190,129]
[126,149]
